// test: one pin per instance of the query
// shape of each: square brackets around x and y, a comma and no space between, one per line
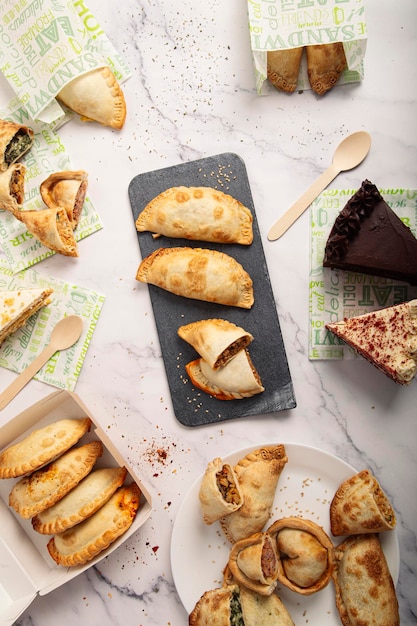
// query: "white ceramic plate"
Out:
[305,488]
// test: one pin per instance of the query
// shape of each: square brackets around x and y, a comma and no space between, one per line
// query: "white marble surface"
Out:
[192,95]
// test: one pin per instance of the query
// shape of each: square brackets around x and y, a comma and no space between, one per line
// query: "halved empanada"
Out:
[325,64]
[283,67]
[219,492]
[84,541]
[12,183]
[81,502]
[238,379]
[258,474]
[215,340]
[96,96]
[198,213]
[66,189]
[15,141]
[52,228]
[253,563]
[360,506]
[198,273]
[41,446]
[45,486]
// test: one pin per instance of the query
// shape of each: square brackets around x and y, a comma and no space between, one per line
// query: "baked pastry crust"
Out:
[17,306]
[197,213]
[325,64]
[84,541]
[253,563]
[365,592]
[198,273]
[12,183]
[81,502]
[52,228]
[15,141]
[41,446]
[219,492]
[66,189]
[361,506]
[283,67]
[44,487]
[216,340]
[96,96]
[258,474]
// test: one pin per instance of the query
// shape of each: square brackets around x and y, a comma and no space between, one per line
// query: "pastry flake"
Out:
[44,487]
[283,67]
[325,64]
[253,563]
[17,306]
[66,189]
[219,492]
[217,341]
[197,213]
[15,141]
[12,183]
[96,96]
[198,273]
[82,542]
[52,228]
[361,506]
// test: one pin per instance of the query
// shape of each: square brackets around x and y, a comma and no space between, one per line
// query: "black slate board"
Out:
[192,407]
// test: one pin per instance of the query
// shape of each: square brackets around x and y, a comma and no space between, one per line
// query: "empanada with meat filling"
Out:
[325,64]
[258,474]
[198,273]
[216,340]
[12,183]
[199,214]
[41,489]
[219,492]
[66,189]
[238,379]
[84,541]
[253,563]
[15,141]
[360,506]
[52,228]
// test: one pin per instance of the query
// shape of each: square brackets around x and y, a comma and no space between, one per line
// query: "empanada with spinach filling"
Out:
[15,141]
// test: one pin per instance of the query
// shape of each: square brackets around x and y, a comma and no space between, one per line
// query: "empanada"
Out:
[197,213]
[283,67]
[325,64]
[198,273]
[41,446]
[365,592]
[17,306]
[12,183]
[84,541]
[238,379]
[219,492]
[52,228]
[253,563]
[360,506]
[258,474]
[66,189]
[96,96]
[81,502]
[41,489]
[215,340]
[15,141]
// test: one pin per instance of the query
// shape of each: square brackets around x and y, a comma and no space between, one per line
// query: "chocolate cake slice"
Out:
[368,237]
[387,338]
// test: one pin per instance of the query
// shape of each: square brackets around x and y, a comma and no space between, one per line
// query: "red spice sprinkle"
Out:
[155,549]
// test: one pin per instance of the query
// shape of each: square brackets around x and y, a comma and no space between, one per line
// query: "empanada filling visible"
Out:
[227,486]
[384,505]
[236,615]
[79,201]
[16,186]
[268,559]
[17,146]
[230,351]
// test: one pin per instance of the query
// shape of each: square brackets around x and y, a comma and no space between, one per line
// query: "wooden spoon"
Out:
[348,154]
[63,336]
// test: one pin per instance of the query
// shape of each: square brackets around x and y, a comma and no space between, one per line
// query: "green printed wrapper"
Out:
[47,43]
[287,24]
[22,347]
[48,154]
[335,294]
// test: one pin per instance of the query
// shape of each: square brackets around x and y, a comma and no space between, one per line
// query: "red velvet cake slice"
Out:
[368,237]
[386,338]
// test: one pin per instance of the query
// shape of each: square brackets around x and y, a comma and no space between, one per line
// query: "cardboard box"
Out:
[26,568]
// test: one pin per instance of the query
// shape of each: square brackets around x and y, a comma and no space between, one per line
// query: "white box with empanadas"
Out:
[67,499]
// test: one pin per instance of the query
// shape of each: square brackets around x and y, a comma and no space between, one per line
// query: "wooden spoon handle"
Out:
[298,208]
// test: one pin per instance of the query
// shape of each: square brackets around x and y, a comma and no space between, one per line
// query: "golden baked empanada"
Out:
[41,489]
[84,541]
[15,141]
[219,492]
[360,506]
[283,67]
[325,64]
[52,227]
[258,474]
[215,340]
[12,183]
[365,592]
[81,502]
[197,213]
[198,273]
[41,446]
[66,189]
[96,96]
[16,307]
[238,379]
[253,563]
